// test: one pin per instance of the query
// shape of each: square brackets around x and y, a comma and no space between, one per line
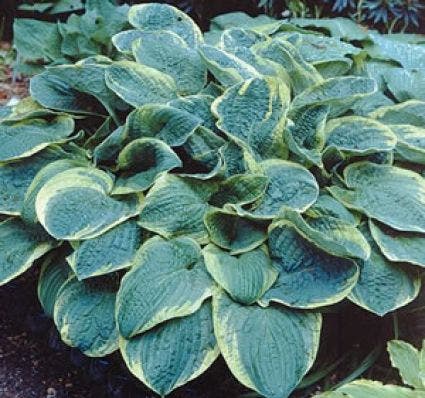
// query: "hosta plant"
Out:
[194,200]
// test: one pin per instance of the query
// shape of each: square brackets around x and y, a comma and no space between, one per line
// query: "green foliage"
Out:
[40,43]
[203,213]
[410,364]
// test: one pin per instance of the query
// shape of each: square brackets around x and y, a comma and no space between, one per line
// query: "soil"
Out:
[29,368]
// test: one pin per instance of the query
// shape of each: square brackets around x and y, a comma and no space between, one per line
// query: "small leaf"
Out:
[411,143]
[339,92]
[330,234]
[123,41]
[306,138]
[405,358]
[408,112]
[367,388]
[226,67]
[301,73]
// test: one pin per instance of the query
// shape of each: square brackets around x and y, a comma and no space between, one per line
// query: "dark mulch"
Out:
[29,367]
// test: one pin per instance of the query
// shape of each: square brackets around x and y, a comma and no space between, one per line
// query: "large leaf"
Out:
[408,55]
[198,105]
[246,277]
[140,162]
[171,125]
[411,143]
[154,17]
[333,235]
[339,92]
[16,178]
[302,74]
[109,252]
[28,212]
[168,280]
[399,246]
[327,206]
[88,76]
[240,189]
[75,204]
[174,352]
[234,232]
[389,194]
[267,349]
[176,206]
[168,53]
[54,93]
[308,276]
[24,138]
[253,113]
[138,84]
[359,135]
[20,246]
[226,67]
[85,316]
[408,112]
[290,185]
[35,39]
[383,286]
[406,84]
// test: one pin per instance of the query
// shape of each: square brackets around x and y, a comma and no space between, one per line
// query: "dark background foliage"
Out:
[200,10]
[385,15]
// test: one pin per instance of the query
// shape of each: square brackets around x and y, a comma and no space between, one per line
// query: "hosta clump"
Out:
[200,199]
